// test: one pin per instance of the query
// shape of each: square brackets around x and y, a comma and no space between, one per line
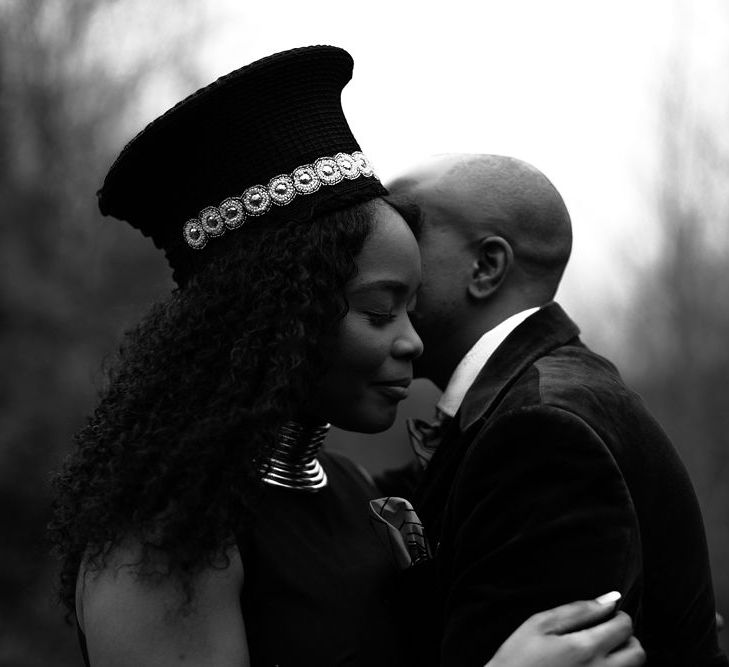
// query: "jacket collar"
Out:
[539,334]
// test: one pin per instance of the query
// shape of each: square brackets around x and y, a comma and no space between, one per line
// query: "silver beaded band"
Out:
[281,190]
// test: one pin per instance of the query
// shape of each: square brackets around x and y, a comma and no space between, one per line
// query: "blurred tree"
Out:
[71,74]
[680,353]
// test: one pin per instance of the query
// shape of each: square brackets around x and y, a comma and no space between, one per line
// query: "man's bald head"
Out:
[494,236]
[477,195]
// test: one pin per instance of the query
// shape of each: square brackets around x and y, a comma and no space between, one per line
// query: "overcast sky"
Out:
[571,86]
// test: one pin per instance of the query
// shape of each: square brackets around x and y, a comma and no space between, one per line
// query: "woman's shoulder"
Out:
[142,569]
[134,604]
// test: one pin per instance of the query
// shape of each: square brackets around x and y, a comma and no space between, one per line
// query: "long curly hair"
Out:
[170,456]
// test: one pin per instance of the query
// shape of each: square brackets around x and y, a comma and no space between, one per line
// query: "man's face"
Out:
[436,201]
[442,296]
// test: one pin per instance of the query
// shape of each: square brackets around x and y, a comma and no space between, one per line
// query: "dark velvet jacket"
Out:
[553,484]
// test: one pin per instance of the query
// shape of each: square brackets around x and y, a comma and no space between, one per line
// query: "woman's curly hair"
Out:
[171,454]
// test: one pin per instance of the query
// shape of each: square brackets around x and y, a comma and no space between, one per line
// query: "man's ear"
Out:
[495,258]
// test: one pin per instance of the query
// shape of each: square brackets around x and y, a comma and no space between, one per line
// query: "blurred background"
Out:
[624,105]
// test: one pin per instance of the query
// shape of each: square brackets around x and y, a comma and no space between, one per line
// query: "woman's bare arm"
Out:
[133,621]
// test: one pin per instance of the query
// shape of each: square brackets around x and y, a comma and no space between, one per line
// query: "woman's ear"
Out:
[495,258]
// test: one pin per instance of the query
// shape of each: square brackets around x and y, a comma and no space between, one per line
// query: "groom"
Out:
[547,479]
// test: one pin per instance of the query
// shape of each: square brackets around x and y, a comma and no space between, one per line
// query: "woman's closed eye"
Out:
[380,318]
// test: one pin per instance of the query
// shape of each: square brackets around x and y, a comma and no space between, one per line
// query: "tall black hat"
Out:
[268,141]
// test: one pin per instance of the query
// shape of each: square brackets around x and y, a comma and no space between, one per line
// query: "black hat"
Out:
[269,139]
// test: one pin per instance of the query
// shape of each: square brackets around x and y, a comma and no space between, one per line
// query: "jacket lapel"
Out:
[538,335]
[546,330]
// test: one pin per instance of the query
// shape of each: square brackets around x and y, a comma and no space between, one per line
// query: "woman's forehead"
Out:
[390,255]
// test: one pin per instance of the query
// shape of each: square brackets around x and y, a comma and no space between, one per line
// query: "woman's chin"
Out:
[374,421]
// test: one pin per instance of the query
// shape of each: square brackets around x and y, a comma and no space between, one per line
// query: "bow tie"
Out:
[425,437]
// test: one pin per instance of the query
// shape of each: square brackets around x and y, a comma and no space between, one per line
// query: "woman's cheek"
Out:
[373,352]
[360,345]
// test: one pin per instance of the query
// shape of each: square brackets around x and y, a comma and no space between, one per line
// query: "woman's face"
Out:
[372,355]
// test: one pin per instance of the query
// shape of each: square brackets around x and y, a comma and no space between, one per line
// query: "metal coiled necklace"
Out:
[293,463]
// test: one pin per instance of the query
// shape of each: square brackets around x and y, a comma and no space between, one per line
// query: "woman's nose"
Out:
[408,344]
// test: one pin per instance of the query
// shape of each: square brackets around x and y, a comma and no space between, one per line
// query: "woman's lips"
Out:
[394,389]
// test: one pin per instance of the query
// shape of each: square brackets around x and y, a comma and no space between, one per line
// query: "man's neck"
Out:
[476,358]
[474,325]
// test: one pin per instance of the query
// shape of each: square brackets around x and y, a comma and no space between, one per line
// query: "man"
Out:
[551,481]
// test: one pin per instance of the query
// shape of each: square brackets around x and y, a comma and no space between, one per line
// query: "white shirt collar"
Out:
[475,359]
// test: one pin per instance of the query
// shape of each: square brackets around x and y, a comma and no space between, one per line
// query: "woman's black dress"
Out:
[318,582]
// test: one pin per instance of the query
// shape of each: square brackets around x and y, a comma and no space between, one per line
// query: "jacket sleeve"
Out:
[540,516]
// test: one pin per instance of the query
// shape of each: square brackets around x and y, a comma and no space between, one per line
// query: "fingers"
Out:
[575,615]
[607,636]
[630,655]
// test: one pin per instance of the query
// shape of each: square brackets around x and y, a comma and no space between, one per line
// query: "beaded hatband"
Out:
[280,191]
[293,463]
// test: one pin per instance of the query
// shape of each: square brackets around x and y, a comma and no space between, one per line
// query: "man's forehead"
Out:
[427,176]
[448,194]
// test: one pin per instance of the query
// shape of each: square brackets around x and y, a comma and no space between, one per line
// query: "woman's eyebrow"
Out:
[396,286]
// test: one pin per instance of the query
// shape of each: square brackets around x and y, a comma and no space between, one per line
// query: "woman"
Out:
[198,521]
